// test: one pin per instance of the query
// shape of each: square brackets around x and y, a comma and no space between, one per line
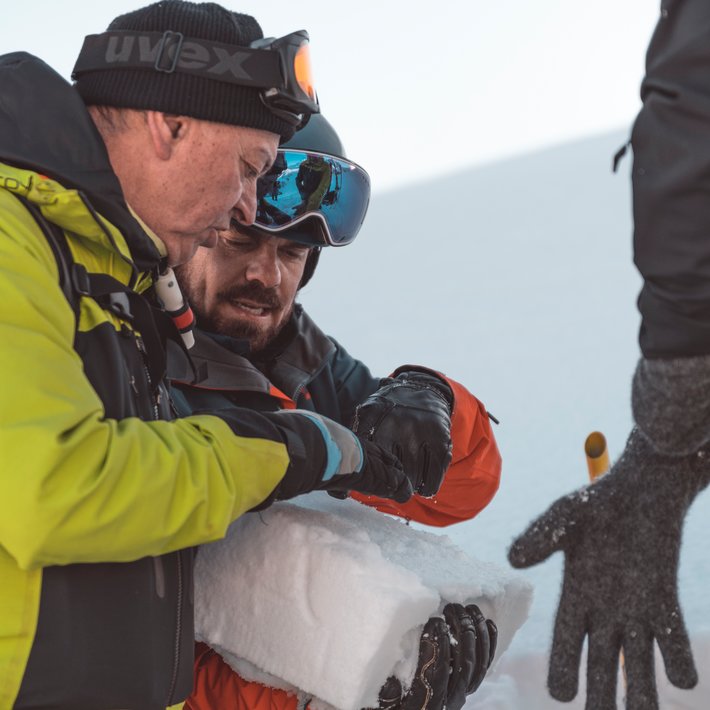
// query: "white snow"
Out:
[329,597]
[518,683]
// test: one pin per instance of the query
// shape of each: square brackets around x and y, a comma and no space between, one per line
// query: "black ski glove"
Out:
[621,538]
[454,655]
[326,456]
[410,415]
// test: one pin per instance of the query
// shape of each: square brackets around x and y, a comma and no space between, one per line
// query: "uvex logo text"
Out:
[192,55]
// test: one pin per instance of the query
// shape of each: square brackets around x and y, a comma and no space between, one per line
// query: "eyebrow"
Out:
[267,158]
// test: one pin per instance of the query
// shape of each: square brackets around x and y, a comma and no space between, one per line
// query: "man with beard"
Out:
[257,348]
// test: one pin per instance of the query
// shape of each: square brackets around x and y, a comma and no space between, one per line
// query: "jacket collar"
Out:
[290,363]
[297,355]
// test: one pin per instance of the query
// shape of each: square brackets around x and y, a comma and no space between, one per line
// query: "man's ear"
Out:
[166,131]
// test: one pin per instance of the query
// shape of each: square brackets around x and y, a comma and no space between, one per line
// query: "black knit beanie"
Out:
[180,93]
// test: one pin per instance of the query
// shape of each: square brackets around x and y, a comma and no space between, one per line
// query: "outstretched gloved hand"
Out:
[454,655]
[410,415]
[621,539]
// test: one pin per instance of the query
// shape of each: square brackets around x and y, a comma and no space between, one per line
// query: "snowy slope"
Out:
[516,279]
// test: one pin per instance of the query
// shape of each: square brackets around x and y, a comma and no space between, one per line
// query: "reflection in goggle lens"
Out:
[304,185]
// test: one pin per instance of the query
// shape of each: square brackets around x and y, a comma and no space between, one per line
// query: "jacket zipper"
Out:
[178,631]
[155,401]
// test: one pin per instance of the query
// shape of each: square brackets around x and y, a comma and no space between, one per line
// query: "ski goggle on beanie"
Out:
[200,77]
[320,199]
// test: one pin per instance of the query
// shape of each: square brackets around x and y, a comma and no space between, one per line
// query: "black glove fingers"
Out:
[400,489]
[548,534]
[641,691]
[390,694]
[483,647]
[566,653]
[677,655]
[370,416]
[493,635]
[398,452]
[603,651]
[382,475]
[428,484]
[430,684]
[436,462]
[463,654]
[408,461]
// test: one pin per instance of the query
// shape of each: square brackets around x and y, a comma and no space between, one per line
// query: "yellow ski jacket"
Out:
[97,494]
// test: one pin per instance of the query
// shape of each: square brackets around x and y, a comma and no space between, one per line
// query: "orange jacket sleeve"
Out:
[217,687]
[472,478]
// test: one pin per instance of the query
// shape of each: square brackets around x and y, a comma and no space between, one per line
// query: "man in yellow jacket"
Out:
[175,112]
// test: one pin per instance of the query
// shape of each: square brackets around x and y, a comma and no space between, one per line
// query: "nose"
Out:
[264,267]
[245,209]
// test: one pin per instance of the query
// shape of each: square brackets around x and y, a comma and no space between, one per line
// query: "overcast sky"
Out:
[420,89]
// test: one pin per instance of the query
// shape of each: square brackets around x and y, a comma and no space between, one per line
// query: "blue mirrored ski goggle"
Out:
[312,198]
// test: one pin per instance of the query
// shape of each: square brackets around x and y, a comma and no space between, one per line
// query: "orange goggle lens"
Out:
[303,72]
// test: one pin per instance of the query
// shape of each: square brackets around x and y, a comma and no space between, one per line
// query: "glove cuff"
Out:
[671,403]
[344,452]
[429,379]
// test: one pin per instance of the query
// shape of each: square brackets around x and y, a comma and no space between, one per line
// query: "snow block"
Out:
[328,598]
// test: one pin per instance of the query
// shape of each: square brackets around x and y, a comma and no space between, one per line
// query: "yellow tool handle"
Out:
[597,455]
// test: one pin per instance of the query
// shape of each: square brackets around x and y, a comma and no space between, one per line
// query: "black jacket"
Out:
[671,184]
[302,365]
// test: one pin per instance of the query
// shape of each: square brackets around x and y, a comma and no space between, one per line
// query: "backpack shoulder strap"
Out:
[73,279]
[155,326]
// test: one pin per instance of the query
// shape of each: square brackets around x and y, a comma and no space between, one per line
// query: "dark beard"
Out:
[241,330]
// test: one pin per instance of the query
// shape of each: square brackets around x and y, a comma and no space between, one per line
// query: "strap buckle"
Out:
[80,279]
[163,60]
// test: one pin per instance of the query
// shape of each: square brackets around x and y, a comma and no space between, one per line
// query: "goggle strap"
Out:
[288,112]
[170,52]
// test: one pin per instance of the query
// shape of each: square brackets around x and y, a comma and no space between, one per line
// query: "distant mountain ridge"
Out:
[606,139]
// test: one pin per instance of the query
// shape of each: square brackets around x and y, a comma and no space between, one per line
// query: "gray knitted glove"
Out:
[621,538]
